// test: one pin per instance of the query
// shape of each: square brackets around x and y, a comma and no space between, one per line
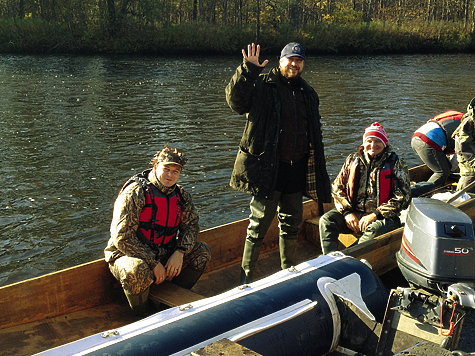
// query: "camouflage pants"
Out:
[465,181]
[135,275]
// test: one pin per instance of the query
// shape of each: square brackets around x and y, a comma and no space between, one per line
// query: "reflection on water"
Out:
[73,129]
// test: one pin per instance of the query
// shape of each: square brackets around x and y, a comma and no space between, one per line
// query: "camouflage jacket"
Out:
[367,200]
[464,137]
[125,222]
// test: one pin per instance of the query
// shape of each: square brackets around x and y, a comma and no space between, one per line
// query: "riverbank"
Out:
[35,36]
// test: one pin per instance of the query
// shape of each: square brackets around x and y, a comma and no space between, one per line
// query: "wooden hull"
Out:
[64,306]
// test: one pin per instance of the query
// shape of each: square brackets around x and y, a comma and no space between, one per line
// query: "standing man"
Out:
[280,155]
[153,232]
[370,191]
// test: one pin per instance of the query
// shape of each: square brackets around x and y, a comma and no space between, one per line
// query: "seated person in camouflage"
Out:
[370,191]
[153,232]
[464,137]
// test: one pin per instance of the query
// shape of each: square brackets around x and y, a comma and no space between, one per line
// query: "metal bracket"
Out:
[110,333]
[185,307]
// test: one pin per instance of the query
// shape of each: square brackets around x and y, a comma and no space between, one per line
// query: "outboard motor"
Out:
[437,258]
[438,246]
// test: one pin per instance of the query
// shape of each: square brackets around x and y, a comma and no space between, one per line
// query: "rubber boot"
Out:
[329,229]
[288,252]
[139,303]
[187,278]
[249,259]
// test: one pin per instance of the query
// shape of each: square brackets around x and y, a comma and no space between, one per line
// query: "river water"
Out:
[74,129]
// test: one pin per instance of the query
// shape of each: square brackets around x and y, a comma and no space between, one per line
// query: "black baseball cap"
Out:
[293,49]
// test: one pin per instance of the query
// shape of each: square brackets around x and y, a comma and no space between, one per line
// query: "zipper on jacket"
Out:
[168,217]
[296,127]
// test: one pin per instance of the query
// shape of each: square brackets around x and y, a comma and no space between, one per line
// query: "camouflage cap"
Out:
[169,156]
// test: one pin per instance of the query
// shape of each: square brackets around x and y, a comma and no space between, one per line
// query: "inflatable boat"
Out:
[292,312]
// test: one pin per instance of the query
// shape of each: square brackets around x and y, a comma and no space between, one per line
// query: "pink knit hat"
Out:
[376,130]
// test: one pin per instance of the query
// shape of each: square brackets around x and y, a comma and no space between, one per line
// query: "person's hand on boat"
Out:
[160,273]
[366,220]
[174,264]
[352,222]
[252,55]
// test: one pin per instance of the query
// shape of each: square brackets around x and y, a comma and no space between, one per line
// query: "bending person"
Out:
[433,142]
[153,233]
[369,192]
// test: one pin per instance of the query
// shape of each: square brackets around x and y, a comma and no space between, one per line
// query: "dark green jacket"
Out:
[259,97]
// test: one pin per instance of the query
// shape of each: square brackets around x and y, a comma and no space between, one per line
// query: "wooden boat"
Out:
[64,306]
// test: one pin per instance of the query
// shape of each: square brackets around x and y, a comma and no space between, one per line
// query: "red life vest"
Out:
[446,116]
[386,180]
[161,215]
[353,182]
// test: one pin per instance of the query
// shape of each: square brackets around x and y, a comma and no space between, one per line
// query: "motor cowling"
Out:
[438,245]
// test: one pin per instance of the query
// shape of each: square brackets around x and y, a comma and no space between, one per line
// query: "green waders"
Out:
[252,248]
[187,278]
[289,213]
[139,303]
[288,252]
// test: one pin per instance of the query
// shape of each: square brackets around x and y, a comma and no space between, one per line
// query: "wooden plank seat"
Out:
[224,347]
[172,295]
[313,234]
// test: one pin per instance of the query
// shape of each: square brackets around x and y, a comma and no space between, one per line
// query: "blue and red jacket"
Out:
[437,132]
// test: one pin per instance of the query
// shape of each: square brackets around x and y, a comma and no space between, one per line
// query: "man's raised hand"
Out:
[252,55]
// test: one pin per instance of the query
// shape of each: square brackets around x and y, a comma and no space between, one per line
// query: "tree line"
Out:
[135,25]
